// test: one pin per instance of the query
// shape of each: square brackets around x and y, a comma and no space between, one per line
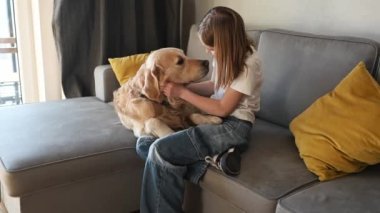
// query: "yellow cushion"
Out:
[126,67]
[340,132]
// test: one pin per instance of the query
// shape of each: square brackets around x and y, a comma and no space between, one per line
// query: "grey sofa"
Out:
[75,156]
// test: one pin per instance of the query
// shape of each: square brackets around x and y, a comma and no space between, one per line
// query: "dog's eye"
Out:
[180,61]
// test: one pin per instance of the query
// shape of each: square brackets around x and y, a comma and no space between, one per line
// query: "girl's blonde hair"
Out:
[223,29]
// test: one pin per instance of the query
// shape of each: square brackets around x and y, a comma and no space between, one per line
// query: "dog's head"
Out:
[169,64]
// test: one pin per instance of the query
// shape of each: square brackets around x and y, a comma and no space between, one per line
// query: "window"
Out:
[10,92]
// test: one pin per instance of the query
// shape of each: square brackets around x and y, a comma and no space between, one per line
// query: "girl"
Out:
[235,89]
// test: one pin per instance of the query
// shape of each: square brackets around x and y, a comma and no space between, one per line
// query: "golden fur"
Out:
[142,107]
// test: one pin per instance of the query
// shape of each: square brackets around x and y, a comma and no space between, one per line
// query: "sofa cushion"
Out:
[271,168]
[352,193]
[347,137]
[52,143]
[127,67]
[298,68]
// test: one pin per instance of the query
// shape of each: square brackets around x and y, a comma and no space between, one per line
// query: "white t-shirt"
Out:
[249,83]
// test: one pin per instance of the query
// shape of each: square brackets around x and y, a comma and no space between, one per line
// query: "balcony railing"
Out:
[11,41]
[10,92]
[9,78]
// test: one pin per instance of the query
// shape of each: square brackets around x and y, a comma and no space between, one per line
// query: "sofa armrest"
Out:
[105,82]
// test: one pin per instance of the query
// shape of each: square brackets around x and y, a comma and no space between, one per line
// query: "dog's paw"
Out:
[157,128]
[197,118]
[215,120]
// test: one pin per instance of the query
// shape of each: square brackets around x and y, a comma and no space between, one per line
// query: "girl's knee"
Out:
[174,150]
[143,145]
[159,158]
[158,150]
[153,154]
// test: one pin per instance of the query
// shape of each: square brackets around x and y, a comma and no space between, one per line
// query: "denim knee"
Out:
[162,148]
[155,157]
[142,146]
[176,149]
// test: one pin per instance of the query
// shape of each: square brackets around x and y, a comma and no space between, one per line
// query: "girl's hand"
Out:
[172,90]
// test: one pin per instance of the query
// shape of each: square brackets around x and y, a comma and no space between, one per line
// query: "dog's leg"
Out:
[198,118]
[157,127]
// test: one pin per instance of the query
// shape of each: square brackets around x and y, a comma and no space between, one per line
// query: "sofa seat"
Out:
[60,142]
[353,193]
[271,168]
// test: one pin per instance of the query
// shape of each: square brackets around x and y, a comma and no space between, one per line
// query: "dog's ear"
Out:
[151,86]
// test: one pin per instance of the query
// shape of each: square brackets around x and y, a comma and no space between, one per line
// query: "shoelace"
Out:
[215,160]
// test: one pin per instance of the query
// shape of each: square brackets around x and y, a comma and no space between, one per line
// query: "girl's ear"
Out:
[151,86]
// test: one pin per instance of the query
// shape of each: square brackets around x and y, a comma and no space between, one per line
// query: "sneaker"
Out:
[228,162]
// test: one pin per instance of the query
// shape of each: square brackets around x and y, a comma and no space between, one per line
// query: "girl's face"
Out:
[208,49]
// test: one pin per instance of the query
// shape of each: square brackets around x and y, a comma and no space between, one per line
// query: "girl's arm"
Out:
[205,88]
[221,108]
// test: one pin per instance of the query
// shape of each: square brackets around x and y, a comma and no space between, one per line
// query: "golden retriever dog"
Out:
[142,107]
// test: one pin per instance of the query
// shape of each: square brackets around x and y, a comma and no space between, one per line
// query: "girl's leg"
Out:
[143,144]
[165,168]
[168,160]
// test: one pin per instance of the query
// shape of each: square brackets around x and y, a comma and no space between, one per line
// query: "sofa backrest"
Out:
[298,68]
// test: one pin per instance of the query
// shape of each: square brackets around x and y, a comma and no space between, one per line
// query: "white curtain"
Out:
[39,70]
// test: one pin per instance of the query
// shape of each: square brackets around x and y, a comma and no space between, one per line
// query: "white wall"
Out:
[359,18]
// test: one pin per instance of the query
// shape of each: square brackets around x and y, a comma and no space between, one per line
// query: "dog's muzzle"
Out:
[205,65]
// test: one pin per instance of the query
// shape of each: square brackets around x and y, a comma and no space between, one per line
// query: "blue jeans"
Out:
[181,155]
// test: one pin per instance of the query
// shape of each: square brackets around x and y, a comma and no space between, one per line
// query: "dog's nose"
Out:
[205,63]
